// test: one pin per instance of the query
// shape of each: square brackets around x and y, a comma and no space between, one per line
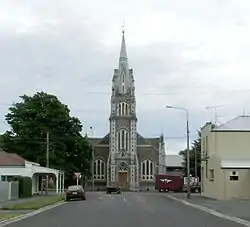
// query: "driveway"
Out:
[125,210]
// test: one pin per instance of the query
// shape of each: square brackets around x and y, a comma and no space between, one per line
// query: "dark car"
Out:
[115,189]
[75,192]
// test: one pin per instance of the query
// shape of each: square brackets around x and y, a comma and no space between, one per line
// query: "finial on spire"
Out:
[123,27]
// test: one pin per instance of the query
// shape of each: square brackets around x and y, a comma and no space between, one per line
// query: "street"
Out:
[125,210]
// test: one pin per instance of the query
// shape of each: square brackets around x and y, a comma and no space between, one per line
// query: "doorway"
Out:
[123,178]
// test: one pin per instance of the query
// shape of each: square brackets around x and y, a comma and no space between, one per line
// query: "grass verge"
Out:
[4,217]
[34,204]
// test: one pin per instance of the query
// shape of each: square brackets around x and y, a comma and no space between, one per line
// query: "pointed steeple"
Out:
[123,80]
[123,60]
[123,52]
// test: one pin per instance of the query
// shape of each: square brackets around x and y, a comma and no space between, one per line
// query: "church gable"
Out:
[141,140]
[104,140]
[153,141]
[150,153]
[94,141]
[101,153]
[148,141]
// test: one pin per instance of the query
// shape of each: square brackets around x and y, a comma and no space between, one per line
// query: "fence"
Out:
[9,190]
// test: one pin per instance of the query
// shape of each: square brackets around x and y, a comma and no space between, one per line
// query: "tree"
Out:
[195,157]
[1,140]
[195,154]
[32,118]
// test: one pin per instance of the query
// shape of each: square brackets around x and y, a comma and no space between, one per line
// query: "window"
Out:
[211,174]
[123,139]
[99,169]
[123,109]
[7,178]
[123,167]
[147,170]
[234,176]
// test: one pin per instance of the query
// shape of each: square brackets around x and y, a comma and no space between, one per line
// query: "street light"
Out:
[188,156]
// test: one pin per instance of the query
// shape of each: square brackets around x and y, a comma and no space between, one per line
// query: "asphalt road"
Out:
[125,210]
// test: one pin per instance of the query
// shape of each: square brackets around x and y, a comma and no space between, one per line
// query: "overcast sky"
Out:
[191,54]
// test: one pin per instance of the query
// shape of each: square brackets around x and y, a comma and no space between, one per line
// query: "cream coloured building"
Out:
[225,153]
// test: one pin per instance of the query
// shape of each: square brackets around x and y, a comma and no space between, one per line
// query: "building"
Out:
[174,164]
[12,165]
[123,156]
[225,158]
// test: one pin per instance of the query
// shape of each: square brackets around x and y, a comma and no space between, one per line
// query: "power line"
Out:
[149,94]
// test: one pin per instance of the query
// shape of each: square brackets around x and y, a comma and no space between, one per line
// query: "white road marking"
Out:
[213,212]
[33,213]
[124,199]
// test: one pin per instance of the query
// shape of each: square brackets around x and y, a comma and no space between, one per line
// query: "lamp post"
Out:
[188,156]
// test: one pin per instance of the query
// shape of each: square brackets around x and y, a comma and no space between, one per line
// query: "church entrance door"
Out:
[123,178]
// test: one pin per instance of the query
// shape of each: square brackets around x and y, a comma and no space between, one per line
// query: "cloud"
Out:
[185,53]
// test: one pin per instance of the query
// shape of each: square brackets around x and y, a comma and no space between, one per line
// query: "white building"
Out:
[12,165]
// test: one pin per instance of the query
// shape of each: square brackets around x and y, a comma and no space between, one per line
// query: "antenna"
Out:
[91,131]
[215,111]
[244,111]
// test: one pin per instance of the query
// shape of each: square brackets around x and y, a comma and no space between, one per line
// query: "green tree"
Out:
[32,118]
[195,156]
[1,140]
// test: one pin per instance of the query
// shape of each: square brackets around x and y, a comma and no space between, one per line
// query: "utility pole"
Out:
[47,161]
[93,160]
[188,159]
[188,149]
[195,161]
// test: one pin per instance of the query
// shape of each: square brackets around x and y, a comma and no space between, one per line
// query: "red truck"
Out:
[167,182]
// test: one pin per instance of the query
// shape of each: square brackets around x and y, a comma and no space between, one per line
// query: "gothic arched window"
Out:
[123,167]
[99,169]
[123,109]
[147,170]
[123,139]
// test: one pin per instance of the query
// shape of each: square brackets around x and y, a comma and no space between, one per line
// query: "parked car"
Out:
[75,192]
[115,189]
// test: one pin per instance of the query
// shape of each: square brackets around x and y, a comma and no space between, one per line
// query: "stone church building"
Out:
[123,156]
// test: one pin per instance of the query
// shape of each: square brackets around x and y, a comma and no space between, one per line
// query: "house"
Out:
[225,155]
[174,164]
[12,165]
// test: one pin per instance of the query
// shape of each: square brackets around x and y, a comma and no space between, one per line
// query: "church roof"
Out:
[94,141]
[240,123]
[153,141]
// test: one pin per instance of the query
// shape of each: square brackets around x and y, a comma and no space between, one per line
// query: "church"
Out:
[124,157]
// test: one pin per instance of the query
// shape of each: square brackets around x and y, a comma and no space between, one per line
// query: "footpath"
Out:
[233,208]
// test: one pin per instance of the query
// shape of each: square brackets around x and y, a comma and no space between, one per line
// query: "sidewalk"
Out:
[236,208]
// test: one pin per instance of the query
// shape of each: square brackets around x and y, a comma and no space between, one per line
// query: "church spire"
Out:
[123,60]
